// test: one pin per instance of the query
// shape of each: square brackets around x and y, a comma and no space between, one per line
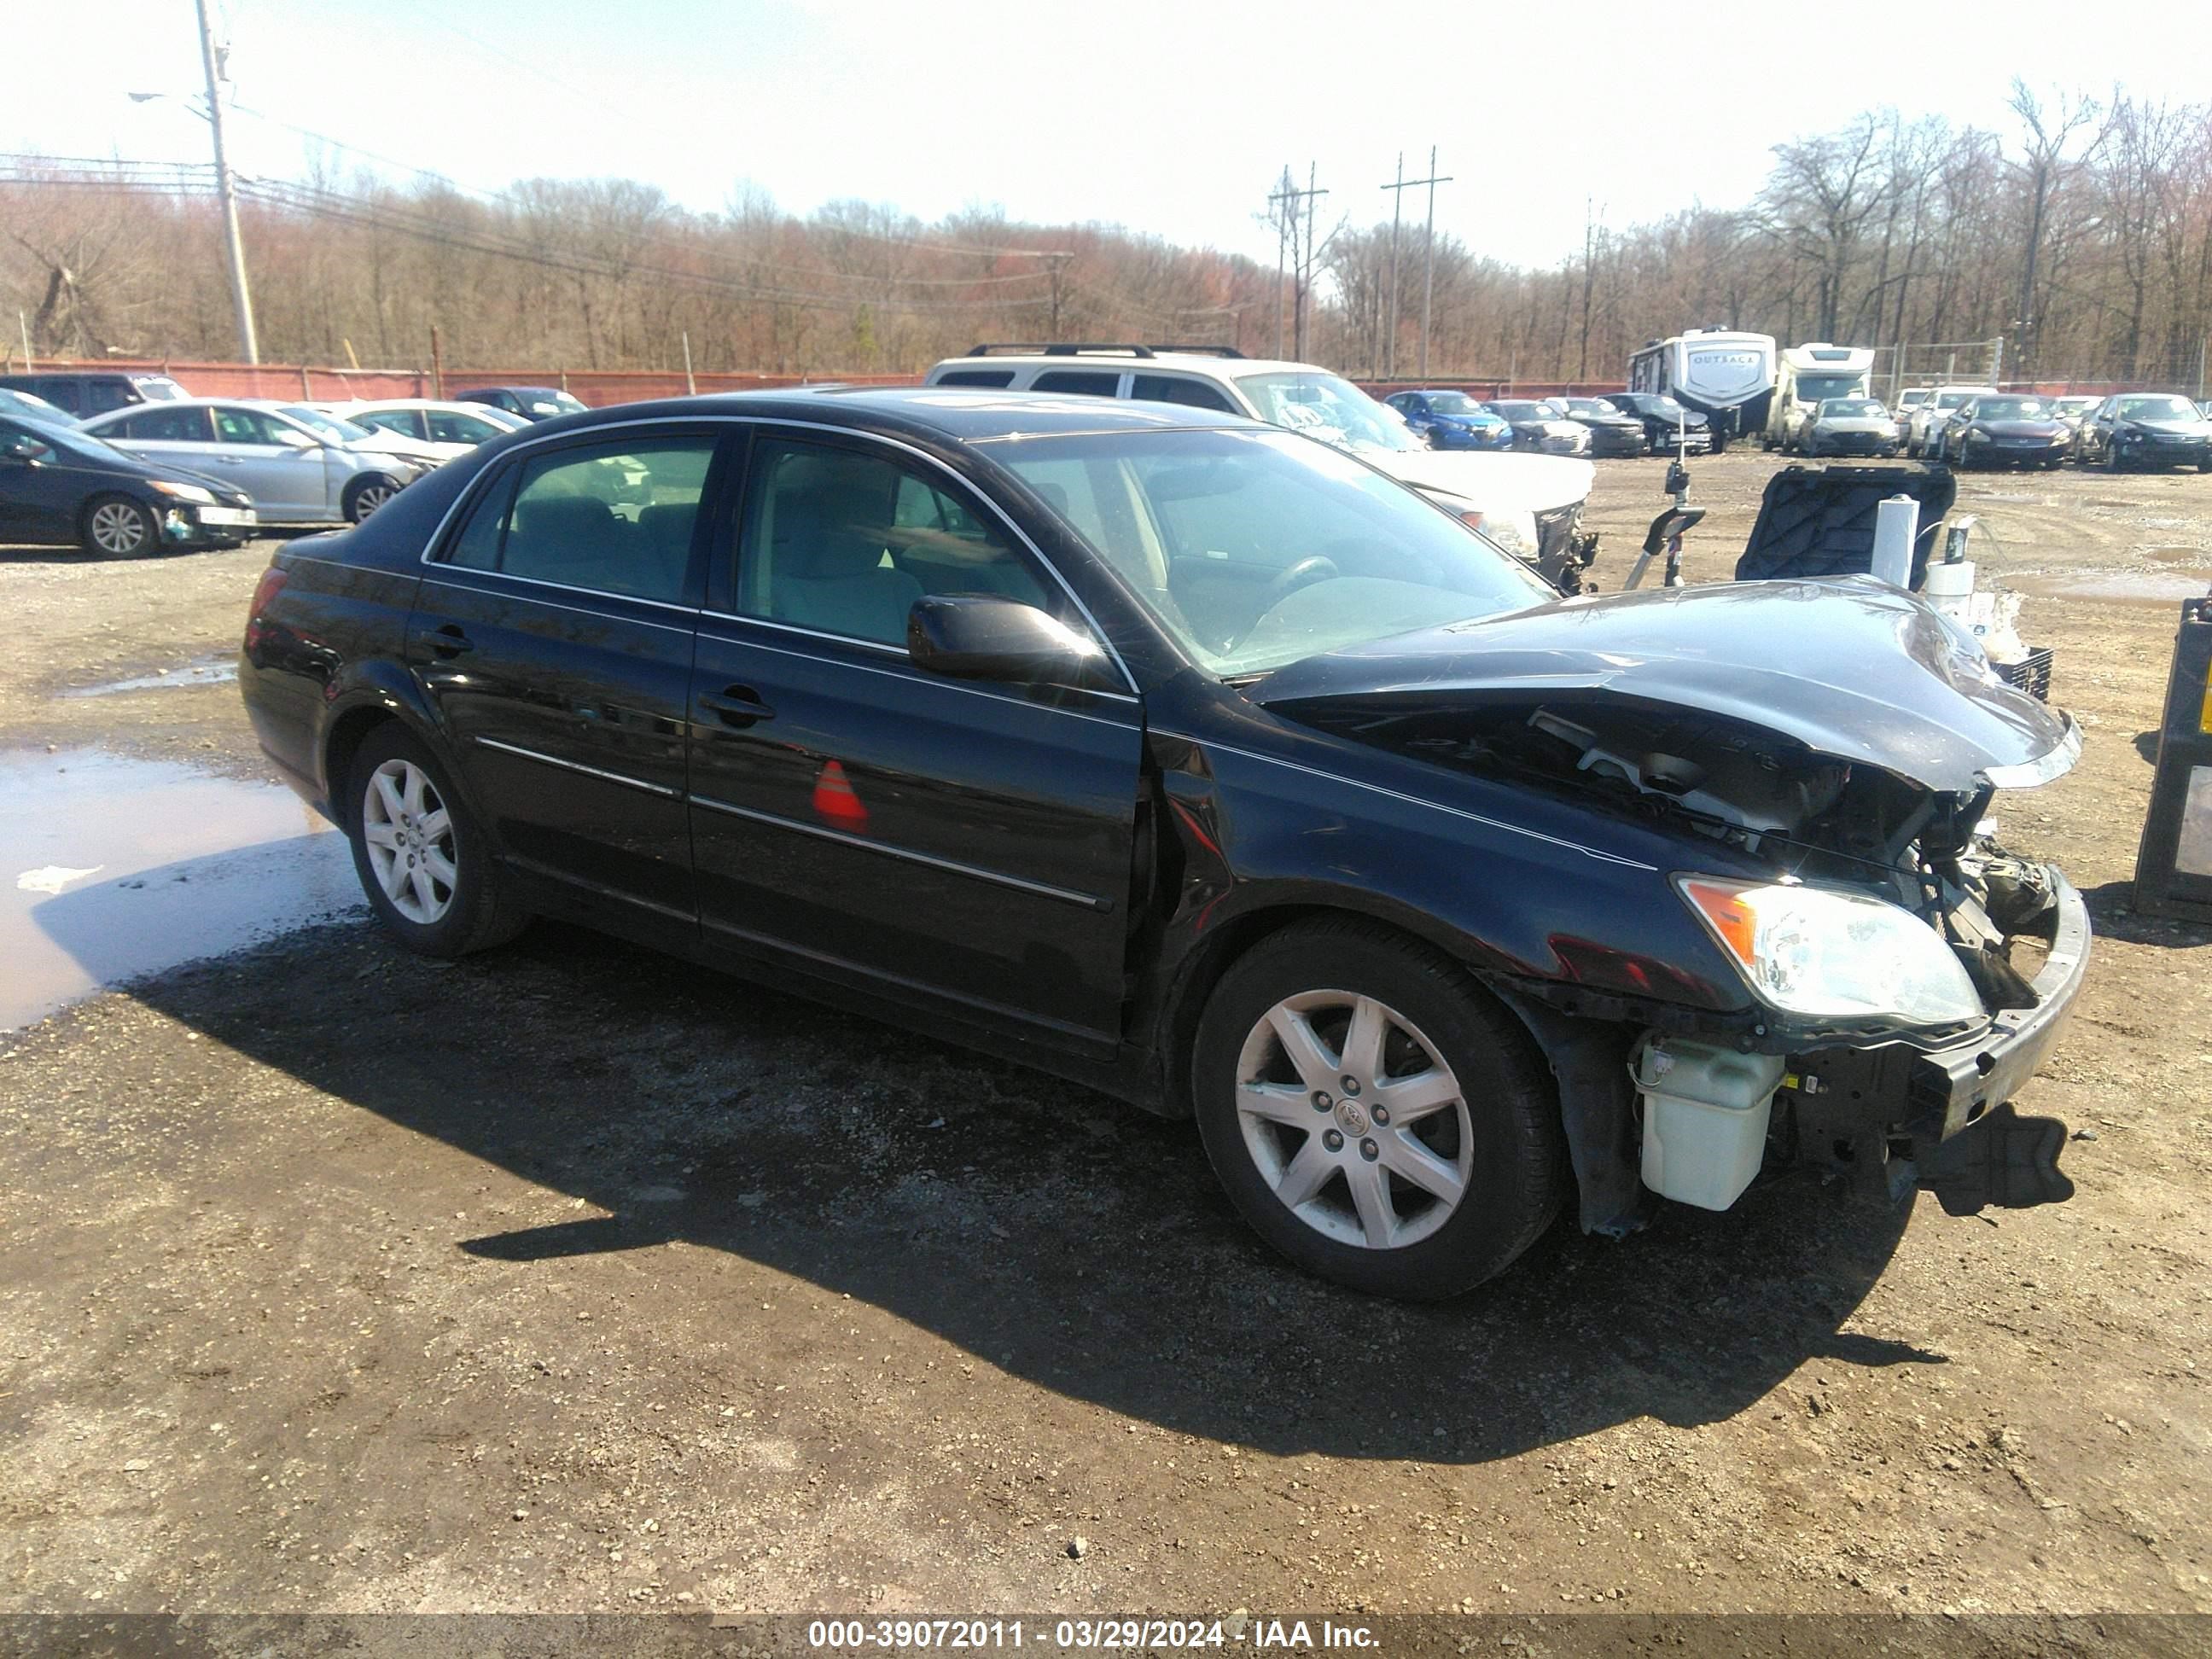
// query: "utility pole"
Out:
[1428,256]
[1285,202]
[228,191]
[1397,201]
[1055,264]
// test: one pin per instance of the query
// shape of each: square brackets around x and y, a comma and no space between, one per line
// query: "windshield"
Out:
[1522,411]
[326,426]
[74,440]
[548,402]
[2158,409]
[1953,399]
[1851,408]
[2011,408]
[1327,407]
[159,388]
[2077,406]
[1818,388]
[1255,550]
[1596,406]
[1456,403]
[1665,408]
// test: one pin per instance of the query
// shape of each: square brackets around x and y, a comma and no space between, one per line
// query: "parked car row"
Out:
[1981,426]
[1618,424]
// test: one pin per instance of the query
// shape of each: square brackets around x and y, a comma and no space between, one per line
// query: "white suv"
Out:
[1530,505]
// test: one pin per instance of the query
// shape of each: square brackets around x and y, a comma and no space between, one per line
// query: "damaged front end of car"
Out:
[1826,757]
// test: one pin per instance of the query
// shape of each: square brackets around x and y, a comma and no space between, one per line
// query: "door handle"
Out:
[450,641]
[737,706]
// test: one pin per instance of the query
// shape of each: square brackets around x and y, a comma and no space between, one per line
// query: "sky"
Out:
[1175,120]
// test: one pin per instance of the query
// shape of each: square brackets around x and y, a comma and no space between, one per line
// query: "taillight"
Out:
[265,594]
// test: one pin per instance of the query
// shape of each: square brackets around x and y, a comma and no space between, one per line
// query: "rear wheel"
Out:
[1373,1113]
[422,860]
[118,527]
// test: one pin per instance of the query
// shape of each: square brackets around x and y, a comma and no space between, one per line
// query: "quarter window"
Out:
[612,518]
[844,543]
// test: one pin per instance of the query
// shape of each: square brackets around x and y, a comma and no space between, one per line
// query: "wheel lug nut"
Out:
[1352,1086]
[1332,1141]
[1322,1103]
[1369,1150]
[1382,1115]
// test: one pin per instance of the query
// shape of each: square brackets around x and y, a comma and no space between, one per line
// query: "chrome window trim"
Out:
[721,419]
[1415,800]
[1022,884]
[565,587]
[628,782]
[945,681]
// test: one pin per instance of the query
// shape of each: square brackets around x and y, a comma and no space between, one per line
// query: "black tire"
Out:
[1515,1153]
[368,493]
[478,913]
[117,527]
[2112,458]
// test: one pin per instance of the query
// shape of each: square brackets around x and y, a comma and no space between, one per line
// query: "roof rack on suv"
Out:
[1092,348]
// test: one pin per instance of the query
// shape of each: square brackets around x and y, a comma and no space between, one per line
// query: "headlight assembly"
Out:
[1832,955]
[183,492]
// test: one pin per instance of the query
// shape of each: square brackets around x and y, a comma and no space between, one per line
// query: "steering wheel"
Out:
[1314,567]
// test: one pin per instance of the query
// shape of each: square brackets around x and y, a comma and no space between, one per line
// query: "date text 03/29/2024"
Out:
[1238,1629]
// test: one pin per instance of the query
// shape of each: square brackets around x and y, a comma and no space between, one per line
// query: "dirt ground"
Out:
[572,1279]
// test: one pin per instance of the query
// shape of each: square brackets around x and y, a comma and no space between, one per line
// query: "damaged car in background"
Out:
[1208,765]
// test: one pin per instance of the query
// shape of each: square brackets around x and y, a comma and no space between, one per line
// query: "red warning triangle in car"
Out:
[836,799]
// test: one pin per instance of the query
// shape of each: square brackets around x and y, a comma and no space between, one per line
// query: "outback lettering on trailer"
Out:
[1711,358]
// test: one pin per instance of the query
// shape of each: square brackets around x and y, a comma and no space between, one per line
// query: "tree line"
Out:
[2081,234]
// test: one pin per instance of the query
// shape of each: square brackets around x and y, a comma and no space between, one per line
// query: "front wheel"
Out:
[117,527]
[1373,1113]
[365,495]
[423,862]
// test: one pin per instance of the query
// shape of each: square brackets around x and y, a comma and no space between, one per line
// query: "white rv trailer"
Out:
[1725,375]
[1805,377]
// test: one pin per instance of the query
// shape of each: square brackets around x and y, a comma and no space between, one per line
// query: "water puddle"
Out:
[2119,587]
[112,869]
[211,670]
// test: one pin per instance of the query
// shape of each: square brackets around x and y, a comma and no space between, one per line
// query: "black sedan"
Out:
[1668,426]
[2004,429]
[1613,431]
[1200,762]
[58,484]
[2148,430]
[532,403]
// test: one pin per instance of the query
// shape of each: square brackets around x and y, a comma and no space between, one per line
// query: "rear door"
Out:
[177,437]
[553,633]
[886,827]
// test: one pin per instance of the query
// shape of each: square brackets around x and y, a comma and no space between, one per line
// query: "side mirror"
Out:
[972,636]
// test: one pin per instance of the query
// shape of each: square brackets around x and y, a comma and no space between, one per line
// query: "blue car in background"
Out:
[1452,420]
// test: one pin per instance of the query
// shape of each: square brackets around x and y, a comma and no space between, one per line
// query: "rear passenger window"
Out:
[613,519]
[167,426]
[991,377]
[1173,388]
[1091,384]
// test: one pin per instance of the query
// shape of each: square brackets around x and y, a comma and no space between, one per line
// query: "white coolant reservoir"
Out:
[1705,1119]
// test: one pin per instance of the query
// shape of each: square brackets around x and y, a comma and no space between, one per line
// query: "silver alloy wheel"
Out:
[1353,1120]
[410,837]
[369,498]
[118,527]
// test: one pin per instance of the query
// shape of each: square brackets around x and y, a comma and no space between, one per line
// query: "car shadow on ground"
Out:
[2112,915]
[1071,1241]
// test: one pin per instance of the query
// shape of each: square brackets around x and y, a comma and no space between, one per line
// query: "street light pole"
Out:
[228,191]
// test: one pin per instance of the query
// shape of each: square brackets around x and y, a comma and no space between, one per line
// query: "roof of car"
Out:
[1205,363]
[968,414]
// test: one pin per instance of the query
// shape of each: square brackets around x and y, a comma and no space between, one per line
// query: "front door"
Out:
[891,828]
[286,471]
[41,487]
[554,635]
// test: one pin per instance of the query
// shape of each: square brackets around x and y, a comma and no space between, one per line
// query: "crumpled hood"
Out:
[1880,424]
[1496,482]
[2171,429]
[1853,669]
